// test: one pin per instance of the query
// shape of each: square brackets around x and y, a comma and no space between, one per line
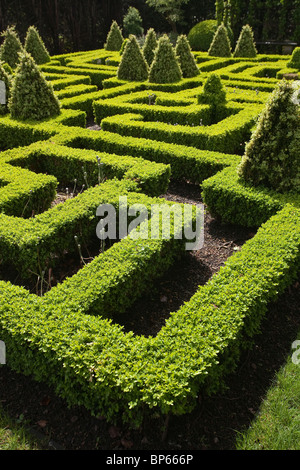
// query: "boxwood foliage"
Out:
[227,136]
[165,67]
[295,59]
[214,94]
[114,38]
[90,361]
[272,157]
[32,97]
[220,45]
[35,46]
[245,46]
[150,45]
[11,46]
[186,58]
[133,65]
[186,162]
[201,35]
[238,202]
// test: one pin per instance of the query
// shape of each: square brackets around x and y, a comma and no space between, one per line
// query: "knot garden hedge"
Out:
[149,134]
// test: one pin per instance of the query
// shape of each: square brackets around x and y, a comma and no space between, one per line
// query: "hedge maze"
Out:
[66,336]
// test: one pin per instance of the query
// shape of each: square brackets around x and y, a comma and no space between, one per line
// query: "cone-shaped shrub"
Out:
[186,58]
[7,79]
[114,39]
[295,59]
[245,46]
[272,157]
[32,97]
[133,65]
[220,46]
[35,46]
[165,67]
[10,48]
[214,95]
[150,46]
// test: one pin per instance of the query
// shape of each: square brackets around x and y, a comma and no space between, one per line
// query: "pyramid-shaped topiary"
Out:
[5,93]
[245,46]
[220,46]
[150,46]
[186,58]
[133,65]
[35,46]
[32,97]
[272,157]
[114,39]
[295,59]
[214,95]
[11,46]
[165,67]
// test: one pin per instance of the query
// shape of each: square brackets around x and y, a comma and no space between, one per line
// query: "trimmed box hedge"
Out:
[68,337]
[90,361]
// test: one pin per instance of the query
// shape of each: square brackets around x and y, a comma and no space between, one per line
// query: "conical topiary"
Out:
[32,97]
[220,46]
[150,45]
[295,59]
[245,46]
[186,58]
[35,46]
[165,67]
[214,95]
[115,38]
[4,91]
[272,157]
[11,46]
[133,65]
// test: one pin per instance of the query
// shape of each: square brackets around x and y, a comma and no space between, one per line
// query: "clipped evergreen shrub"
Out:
[220,46]
[214,95]
[36,47]
[133,65]
[295,59]
[201,35]
[132,22]
[11,46]
[150,45]
[6,78]
[272,156]
[165,67]
[114,38]
[186,58]
[245,46]
[32,97]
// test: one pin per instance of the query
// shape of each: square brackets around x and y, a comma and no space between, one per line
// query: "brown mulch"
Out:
[216,420]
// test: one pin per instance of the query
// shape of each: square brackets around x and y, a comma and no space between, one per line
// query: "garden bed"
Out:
[215,420]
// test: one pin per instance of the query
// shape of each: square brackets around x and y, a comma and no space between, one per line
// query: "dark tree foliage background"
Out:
[72,25]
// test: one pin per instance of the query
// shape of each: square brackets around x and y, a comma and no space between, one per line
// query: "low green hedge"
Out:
[228,135]
[96,75]
[90,361]
[36,244]
[57,160]
[15,133]
[237,202]
[186,162]
[85,101]
[23,193]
